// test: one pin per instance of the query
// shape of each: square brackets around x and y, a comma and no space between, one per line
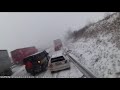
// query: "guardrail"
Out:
[86,72]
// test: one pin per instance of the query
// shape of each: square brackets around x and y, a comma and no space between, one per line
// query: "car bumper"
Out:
[60,67]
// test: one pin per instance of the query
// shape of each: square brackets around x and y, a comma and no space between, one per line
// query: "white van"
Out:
[58,62]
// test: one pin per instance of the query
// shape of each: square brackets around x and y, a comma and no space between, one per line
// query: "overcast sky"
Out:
[24,29]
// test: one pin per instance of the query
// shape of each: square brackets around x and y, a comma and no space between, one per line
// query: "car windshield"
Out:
[61,58]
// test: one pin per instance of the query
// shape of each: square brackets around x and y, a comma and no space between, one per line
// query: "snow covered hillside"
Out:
[98,47]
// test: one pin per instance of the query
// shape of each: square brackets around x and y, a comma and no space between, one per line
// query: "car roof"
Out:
[57,54]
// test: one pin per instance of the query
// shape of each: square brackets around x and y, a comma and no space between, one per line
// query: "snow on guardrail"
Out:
[85,71]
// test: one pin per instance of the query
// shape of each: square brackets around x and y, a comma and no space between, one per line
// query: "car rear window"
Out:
[61,58]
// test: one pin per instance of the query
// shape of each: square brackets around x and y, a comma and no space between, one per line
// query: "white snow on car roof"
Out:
[57,54]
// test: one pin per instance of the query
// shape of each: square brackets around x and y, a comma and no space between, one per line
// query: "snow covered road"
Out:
[72,73]
[20,72]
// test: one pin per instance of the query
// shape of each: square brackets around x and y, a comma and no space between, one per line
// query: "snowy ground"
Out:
[99,55]
[72,73]
[20,71]
[98,49]
[87,73]
[16,68]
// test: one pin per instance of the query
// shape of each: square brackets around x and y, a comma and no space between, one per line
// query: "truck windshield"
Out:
[61,58]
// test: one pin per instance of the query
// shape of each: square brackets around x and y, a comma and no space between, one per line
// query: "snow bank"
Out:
[99,54]
[101,59]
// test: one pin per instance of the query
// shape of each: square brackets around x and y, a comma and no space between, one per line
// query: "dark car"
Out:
[36,63]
